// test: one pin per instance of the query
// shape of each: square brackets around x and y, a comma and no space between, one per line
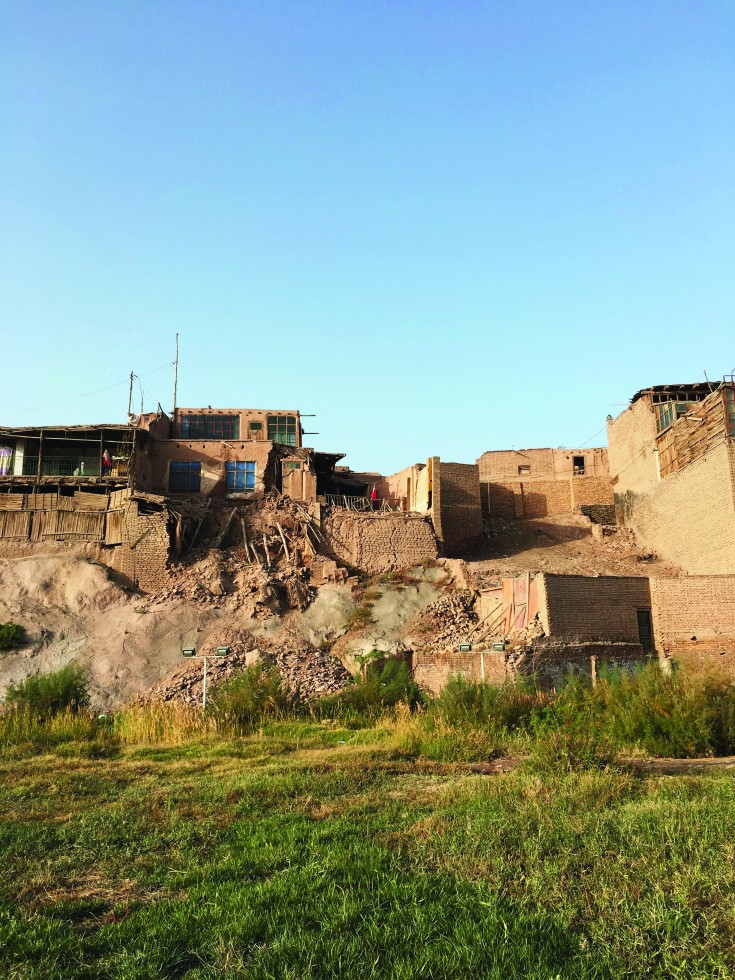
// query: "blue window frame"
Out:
[184,477]
[240,475]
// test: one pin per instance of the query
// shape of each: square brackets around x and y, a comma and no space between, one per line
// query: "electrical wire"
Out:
[86,394]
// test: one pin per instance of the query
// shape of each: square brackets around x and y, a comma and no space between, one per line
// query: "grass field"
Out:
[313,851]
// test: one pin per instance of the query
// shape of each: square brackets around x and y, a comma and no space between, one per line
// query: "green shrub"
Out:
[681,715]
[45,695]
[383,683]
[11,636]
[504,706]
[252,697]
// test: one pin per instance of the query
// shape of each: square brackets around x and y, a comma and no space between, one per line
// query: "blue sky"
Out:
[442,227]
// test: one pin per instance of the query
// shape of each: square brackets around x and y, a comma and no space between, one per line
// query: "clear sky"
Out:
[444,227]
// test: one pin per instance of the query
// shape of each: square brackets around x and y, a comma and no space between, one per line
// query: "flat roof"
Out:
[696,386]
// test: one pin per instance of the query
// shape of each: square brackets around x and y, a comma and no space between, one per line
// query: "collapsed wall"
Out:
[379,542]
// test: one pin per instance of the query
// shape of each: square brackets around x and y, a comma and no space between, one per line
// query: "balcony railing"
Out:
[348,503]
[72,466]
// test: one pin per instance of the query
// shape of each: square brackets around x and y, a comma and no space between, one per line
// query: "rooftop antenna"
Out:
[176,375]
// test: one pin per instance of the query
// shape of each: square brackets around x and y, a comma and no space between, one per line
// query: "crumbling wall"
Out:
[455,508]
[600,608]
[545,497]
[694,619]
[380,542]
[142,557]
[688,518]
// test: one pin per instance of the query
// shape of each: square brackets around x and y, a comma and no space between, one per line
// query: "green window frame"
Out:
[282,429]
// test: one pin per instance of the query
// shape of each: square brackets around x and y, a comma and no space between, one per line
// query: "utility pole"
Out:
[176,375]
[130,394]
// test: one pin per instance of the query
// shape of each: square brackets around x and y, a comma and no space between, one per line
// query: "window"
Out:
[240,476]
[578,465]
[289,465]
[210,426]
[256,430]
[184,477]
[282,428]
[524,470]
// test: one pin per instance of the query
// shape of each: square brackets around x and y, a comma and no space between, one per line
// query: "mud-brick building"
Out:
[672,461]
[528,483]
[229,452]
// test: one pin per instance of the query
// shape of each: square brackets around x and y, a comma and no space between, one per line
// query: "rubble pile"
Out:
[255,556]
[309,672]
[450,620]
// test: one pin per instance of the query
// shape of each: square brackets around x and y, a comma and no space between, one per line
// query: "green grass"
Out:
[314,851]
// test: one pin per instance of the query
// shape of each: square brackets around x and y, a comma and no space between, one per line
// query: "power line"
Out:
[86,394]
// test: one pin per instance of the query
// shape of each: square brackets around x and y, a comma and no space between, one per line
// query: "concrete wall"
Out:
[380,542]
[694,619]
[504,465]
[455,505]
[602,608]
[689,517]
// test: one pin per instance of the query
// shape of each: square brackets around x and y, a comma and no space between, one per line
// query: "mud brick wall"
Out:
[592,491]
[456,509]
[550,664]
[143,556]
[432,671]
[603,608]
[599,514]
[381,542]
[498,499]
[694,620]
[688,518]
[631,439]
[543,497]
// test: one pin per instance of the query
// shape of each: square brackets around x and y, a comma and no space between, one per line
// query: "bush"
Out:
[505,706]
[252,697]
[682,715]
[11,636]
[383,683]
[45,695]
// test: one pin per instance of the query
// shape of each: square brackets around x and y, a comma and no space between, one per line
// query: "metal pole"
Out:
[176,377]
[204,688]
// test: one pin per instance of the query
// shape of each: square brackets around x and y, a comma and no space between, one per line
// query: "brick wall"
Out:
[551,663]
[142,558]
[689,517]
[545,497]
[694,619]
[456,510]
[540,498]
[602,608]
[592,490]
[502,465]
[432,670]
[380,542]
[631,440]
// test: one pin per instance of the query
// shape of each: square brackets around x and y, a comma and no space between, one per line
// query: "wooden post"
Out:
[283,538]
[40,454]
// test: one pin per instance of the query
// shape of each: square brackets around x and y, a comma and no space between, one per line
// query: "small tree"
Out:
[46,695]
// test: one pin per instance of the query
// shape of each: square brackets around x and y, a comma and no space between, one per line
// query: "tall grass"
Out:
[683,715]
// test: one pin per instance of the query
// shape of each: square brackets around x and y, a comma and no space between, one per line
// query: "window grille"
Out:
[240,475]
[184,477]
[282,428]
